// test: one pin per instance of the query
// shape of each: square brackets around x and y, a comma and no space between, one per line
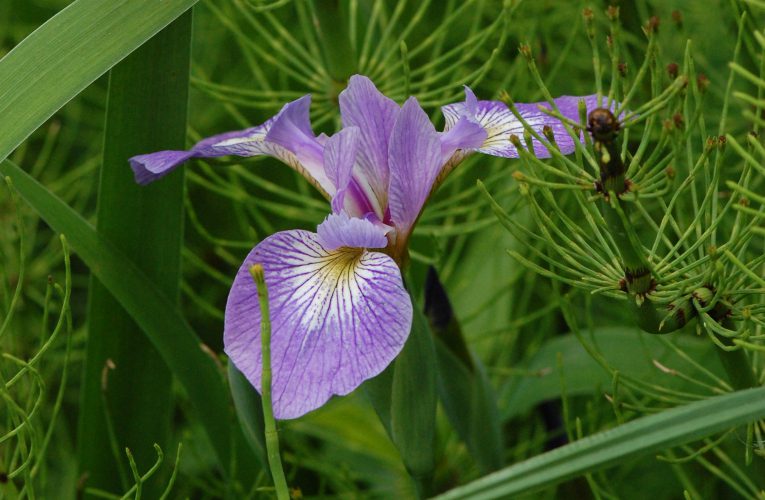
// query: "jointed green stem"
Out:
[272,436]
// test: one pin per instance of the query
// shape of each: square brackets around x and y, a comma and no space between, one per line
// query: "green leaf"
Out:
[249,409]
[146,111]
[628,350]
[378,391]
[68,53]
[413,401]
[470,404]
[152,310]
[466,393]
[640,437]
[404,398]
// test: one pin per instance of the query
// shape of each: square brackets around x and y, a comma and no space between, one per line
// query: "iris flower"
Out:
[339,310]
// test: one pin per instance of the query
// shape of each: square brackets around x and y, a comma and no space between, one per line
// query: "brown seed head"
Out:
[677,18]
[702,81]
[677,119]
[672,70]
[653,24]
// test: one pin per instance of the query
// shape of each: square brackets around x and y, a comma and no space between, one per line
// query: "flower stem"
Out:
[272,436]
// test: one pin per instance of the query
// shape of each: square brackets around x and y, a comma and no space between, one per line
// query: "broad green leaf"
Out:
[378,391]
[413,401]
[66,54]
[466,393]
[146,111]
[470,404]
[628,350]
[249,409]
[404,398]
[640,437]
[152,310]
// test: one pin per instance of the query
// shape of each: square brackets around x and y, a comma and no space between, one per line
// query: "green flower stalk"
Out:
[272,435]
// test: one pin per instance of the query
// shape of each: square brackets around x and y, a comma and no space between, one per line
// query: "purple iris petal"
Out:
[465,134]
[338,317]
[150,167]
[340,230]
[286,136]
[500,122]
[292,131]
[415,158]
[365,107]
[340,153]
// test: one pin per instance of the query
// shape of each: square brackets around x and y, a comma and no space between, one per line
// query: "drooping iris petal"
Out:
[415,158]
[365,107]
[338,317]
[292,145]
[148,168]
[500,122]
[340,230]
[248,142]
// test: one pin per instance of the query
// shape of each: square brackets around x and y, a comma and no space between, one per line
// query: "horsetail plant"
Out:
[671,224]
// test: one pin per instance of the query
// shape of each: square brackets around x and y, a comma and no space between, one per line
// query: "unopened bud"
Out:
[516,141]
[722,141]
[612,12]
[622,68]
[711,143]
[547,131]
[256,271]
[670,171]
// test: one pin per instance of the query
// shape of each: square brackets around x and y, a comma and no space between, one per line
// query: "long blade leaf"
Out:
[146,111]
[67,53]
[606,449]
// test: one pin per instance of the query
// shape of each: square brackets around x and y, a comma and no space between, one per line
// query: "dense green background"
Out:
[534,381]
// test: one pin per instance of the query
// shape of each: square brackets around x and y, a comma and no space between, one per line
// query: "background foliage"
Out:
[562,363]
